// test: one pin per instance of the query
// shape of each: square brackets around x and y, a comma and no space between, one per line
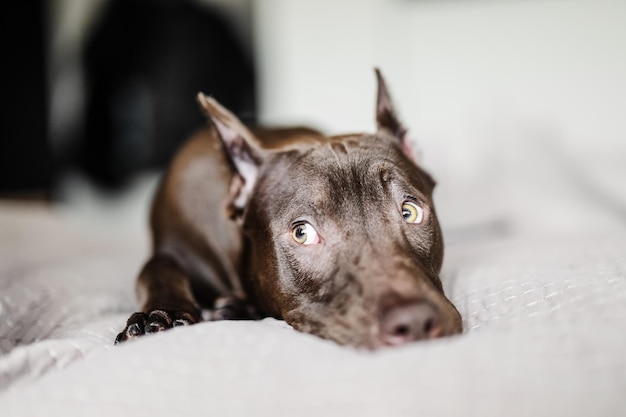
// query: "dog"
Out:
[336,235]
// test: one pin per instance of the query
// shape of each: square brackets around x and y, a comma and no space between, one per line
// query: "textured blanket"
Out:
[544,318]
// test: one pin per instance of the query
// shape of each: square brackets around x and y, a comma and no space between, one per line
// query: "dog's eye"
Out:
[305,234]
[412,213]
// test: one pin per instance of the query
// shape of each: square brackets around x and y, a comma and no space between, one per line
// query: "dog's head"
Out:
[343,240]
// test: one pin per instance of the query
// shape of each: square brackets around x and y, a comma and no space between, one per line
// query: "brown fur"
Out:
[222,222]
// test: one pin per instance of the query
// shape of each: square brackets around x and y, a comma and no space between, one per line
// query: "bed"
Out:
[544,319]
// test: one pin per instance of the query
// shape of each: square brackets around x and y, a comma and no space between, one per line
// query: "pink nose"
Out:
[410,322]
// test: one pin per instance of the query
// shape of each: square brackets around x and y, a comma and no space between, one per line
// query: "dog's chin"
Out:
[355,341]
[340,332]
[366,337]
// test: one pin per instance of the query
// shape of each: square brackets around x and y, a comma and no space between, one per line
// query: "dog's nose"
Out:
[409,322]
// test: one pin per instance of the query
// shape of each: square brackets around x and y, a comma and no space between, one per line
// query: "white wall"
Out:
[512,95]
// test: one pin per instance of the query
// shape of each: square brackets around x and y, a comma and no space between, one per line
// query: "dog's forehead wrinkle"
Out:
[340,165]
[338,149]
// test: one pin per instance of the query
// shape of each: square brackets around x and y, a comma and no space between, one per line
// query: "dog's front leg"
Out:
[166,298]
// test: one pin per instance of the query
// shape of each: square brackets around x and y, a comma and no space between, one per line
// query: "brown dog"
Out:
[336,235]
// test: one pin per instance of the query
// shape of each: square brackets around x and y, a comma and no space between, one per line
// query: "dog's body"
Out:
[336,235]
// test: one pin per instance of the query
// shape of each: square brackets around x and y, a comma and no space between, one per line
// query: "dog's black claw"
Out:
[180,322]
[154,327]
[155,321]
[133,330]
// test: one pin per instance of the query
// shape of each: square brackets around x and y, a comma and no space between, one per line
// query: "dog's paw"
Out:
[154,321]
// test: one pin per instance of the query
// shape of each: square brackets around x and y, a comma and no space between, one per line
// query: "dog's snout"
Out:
[405,323]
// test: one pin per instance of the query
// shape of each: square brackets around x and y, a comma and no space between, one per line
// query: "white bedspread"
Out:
[545,335]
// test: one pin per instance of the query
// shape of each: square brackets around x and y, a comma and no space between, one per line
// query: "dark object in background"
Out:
[145,62]
[25,159]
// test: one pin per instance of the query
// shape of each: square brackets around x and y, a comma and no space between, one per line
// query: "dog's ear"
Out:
[386,118]
[242,148]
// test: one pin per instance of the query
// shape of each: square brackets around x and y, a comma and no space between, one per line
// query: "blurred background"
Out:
[517,107]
